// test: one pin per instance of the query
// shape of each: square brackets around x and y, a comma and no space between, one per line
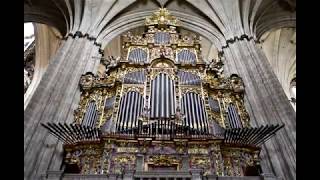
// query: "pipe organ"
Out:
[161,107]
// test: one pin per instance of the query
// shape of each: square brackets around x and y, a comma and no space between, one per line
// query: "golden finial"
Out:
[162,17]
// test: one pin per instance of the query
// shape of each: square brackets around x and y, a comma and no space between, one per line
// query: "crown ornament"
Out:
[162,17]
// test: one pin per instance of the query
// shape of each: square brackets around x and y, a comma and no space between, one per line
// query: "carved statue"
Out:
[86,80]
[237,83]
[179,116]
[111,62]
[217,67]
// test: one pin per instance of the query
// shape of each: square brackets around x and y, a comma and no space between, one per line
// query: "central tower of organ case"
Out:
[161,108]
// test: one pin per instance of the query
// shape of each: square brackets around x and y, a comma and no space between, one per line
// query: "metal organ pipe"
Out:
[120,111]
[163,94]
[186,56]
[161,38]
[131,106]
[166,86]
[127,111]
[187,78]
[193,108]
[233,117]
[204,115]
[87,114]
[90,116]
[137,55]
[137,77]
[162,86]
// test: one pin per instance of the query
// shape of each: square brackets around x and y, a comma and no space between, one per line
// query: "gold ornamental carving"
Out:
[162,17]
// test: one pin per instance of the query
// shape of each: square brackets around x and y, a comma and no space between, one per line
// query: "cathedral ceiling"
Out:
[217,21]
[225,19]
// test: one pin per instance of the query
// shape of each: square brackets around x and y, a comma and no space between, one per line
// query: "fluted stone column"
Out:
[266,103]
[54,101]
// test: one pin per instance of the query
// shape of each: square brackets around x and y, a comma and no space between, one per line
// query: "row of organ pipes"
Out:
[163,109]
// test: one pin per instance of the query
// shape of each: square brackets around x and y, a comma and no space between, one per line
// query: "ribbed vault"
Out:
[227,18]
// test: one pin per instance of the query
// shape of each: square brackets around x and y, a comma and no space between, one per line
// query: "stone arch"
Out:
[58,16]
[273,15]
[49,26]
[134,20]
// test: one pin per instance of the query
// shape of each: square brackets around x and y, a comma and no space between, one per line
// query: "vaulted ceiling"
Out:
[226,18]
[215,20]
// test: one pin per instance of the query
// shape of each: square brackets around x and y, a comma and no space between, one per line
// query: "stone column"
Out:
[266,103]
[54,100]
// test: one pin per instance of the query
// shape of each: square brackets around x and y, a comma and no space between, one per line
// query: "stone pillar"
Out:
[266,103]
[196,174]
[54,100]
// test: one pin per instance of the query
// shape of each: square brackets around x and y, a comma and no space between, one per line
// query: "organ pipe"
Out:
[90,115]
[137,77]
[187,78]
[162,97]
[137,55]
[186,56]
[194,110]
[233,117]
[131,106]
[161,38]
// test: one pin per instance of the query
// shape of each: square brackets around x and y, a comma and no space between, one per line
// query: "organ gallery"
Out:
[160,107]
